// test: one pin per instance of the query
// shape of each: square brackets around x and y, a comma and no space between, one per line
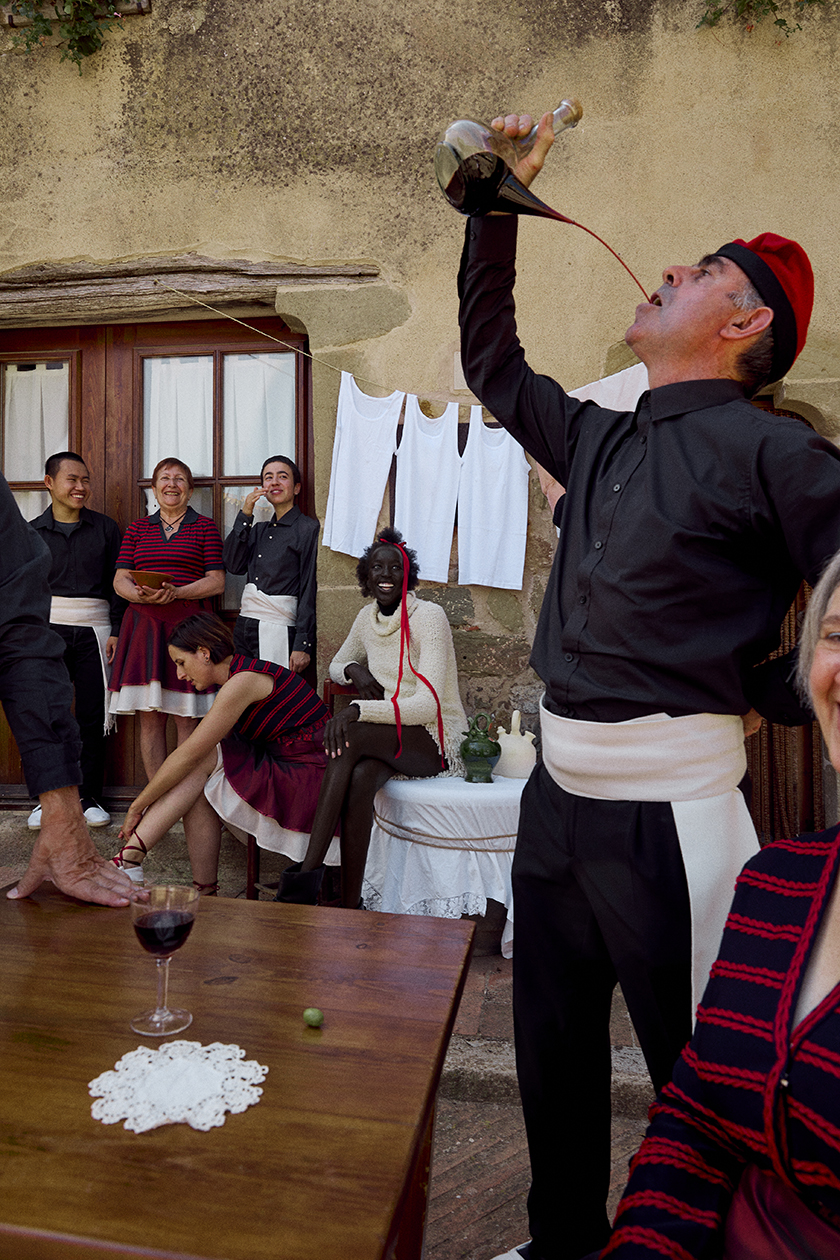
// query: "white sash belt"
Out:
[694,762]
[95,613]
[276,614]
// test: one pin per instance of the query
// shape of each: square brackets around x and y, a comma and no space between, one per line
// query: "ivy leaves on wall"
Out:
[750,12]
[81,25]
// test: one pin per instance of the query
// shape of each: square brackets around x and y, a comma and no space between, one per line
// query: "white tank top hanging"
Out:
[492,508]
[364,445]
[428,472]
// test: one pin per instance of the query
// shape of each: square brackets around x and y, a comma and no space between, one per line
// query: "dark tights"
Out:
[351,782]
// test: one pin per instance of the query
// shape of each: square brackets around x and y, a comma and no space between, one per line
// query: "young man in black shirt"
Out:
[85,611]
[36,695]
[687,527]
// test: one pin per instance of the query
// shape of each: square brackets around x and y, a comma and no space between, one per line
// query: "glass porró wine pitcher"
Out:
[474,165]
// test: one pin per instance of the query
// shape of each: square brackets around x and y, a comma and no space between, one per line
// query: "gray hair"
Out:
[747,298]
[810,632]
[756,362]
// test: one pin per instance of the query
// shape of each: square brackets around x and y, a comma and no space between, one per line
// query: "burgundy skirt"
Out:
[142,656]
[143,675]
[280,780]
[768,1221]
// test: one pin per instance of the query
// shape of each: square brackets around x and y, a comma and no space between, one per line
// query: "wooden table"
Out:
[331,1164]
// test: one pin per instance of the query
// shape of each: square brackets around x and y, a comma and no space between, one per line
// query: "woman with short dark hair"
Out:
[256,760]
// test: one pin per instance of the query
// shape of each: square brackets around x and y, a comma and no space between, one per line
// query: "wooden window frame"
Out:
[73,357]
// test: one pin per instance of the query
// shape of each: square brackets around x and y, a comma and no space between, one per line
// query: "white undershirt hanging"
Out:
[428,472]
[492,508]
[364,445]
[619,392]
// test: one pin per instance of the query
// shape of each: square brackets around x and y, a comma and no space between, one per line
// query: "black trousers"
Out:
[600,896]
[84,665]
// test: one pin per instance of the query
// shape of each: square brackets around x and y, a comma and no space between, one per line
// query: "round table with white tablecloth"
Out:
[443,847]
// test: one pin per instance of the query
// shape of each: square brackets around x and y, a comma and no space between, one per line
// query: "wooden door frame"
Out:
[106,383]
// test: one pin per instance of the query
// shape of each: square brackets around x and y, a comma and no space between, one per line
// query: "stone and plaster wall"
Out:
[284,131]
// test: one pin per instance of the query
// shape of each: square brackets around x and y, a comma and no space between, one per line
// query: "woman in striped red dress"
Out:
[177,541]
[257,758]
[742,1157]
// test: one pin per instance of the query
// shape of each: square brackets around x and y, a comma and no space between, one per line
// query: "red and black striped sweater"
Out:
[749,1088]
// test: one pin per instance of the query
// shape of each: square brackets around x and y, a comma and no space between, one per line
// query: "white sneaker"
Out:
[513,1254]
[33,822]
[96,816]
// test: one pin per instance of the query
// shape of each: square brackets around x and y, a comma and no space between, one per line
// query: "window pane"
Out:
[259,410]
[178,412]
[234,497]
[32,502]
[36,417]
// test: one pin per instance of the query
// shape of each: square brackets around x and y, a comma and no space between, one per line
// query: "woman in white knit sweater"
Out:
[409,719]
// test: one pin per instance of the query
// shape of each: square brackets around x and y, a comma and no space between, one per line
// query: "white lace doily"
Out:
[182,1082]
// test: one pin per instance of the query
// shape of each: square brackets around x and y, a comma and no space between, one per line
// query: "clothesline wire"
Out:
[287,345]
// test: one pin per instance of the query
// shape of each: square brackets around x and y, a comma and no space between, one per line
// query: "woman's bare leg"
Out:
[152,741]
[201,824]
[350,797]
[369,775]
[153,737]
[204,837]
[174,804]
[184,726]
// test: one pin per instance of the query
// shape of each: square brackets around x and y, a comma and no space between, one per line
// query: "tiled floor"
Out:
[480,1179]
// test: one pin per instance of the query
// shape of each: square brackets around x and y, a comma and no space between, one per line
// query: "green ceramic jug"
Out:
[477,749]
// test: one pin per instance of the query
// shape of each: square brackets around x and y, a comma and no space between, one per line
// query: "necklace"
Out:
[169,528]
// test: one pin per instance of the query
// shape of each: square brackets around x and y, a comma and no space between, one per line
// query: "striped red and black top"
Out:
[290,707]
[750,1088]
[192,552]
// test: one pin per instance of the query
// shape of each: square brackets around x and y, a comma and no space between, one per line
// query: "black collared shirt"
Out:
[35,688]
[280,558]
[84,562]
[686,527]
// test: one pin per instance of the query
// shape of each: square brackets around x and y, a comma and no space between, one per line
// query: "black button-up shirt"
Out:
[35,688]
[686,527]
[280,558]
[84,561]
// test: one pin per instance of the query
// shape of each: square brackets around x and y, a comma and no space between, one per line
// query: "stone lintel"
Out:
[92,293]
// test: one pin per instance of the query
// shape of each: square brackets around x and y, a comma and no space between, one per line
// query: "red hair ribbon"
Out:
[405,650]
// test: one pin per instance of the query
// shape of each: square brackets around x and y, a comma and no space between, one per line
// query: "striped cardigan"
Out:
[748,1088]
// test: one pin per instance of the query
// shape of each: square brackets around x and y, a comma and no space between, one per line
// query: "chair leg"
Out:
[252,870]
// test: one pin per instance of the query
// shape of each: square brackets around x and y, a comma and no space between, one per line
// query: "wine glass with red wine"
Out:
[163,924]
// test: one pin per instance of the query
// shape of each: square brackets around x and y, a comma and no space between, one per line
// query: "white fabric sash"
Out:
[275,613]
[696,763]
[68,610]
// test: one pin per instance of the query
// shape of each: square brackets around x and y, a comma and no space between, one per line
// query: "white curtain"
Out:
[178,412]
[234,497]
[259,410]
[35,417]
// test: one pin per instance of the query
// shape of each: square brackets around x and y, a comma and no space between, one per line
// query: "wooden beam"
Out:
[91,293]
